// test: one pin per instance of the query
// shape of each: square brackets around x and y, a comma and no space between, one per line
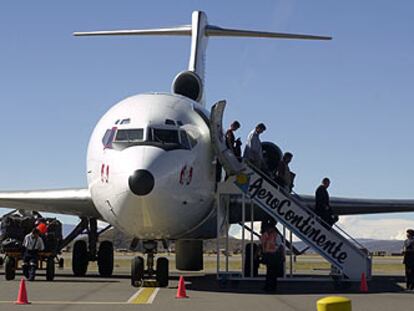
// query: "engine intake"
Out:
[188,84]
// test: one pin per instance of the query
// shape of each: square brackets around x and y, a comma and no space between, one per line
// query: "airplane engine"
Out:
[188,84]
[189,255]
[272,154]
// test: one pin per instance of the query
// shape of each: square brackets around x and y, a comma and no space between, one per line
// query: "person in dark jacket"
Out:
[409,259]
[283,174]
[322,206]
[232,143]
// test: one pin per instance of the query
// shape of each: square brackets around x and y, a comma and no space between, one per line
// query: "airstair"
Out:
[345,254]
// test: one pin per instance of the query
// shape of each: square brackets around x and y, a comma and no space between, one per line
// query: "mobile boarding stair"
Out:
[345,254]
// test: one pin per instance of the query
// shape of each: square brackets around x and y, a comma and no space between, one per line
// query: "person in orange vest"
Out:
[270,247]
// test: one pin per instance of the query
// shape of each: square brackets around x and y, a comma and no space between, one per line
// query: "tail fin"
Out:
[199,31]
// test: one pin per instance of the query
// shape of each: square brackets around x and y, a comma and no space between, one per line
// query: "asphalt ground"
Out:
[67,292]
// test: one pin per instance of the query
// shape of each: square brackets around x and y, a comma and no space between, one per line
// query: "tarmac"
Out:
[68,292]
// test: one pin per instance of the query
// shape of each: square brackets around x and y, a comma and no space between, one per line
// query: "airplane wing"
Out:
[341,206]
[351,206]
[75,202]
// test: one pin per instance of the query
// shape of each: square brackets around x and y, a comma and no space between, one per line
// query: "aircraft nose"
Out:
[141,182]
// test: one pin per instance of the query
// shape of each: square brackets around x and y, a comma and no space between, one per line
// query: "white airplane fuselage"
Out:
[180,194]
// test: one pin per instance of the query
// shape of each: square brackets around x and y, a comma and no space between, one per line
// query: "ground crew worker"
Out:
[270,255]
[253,149]
[283,174]
[322,207]
[32,244]
[409,259]
[232,143]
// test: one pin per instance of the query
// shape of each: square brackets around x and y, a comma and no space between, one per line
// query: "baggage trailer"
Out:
[13,261]
[14,227]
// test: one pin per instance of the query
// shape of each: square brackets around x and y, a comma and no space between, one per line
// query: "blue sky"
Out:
[344,107]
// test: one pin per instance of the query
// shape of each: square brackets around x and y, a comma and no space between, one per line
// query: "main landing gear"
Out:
[139,273]
[83,252]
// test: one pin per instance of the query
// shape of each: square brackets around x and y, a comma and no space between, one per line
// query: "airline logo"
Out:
[104,173]
[186,175]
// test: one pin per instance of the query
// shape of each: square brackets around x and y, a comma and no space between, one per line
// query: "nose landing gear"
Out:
[161,272]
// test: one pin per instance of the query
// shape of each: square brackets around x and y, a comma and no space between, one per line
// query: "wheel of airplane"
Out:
[106,258]
[9,268]
[50,269]
[162,272]
[137,271]
[1,261]
[80,258]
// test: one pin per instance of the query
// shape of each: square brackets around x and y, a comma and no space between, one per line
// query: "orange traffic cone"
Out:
[363,288]
[22,296]
[181,289]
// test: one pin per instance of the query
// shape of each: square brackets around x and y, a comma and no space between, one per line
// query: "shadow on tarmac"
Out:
[209,283]
[68,278]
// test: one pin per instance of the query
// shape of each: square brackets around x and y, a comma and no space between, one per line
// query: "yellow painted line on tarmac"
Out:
[145,295]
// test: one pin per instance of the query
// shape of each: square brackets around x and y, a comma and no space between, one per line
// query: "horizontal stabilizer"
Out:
[225,32]
[210,30]
[170,31]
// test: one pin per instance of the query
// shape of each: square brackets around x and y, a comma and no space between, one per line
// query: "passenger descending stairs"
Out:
[336,247]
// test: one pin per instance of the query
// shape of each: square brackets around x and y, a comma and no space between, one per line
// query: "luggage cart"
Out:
[14,227]
[13,261]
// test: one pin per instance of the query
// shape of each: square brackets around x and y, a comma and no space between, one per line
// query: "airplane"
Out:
[151,169]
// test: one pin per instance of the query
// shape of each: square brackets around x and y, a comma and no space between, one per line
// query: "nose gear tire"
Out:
[162,272]
[137,271]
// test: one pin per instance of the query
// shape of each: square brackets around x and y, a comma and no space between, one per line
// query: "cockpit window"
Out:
[108,137]
[169,122]
[130,135]
[167,139]
[193,141]
[184,140]
[165,136]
